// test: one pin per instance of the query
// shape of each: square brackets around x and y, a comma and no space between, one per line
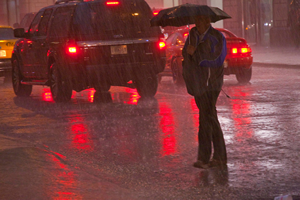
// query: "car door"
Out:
[40,46]
[28,58]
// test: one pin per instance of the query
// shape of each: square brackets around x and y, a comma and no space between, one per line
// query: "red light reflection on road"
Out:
[47,96]
[91,95]
[167,127]
[196,116]
[241,109]
[65,183]
[80,135]
[134,96]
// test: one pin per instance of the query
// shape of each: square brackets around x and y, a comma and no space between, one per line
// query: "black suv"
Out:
[76,45]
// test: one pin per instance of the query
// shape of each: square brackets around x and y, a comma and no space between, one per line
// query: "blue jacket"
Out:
[206,63]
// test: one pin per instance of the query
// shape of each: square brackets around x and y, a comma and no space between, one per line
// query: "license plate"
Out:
[121,49]
[2,53]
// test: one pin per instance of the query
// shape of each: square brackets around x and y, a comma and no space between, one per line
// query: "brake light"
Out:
[72,50]
[241,50]
[162,45]
[112,3]
[155,12]
[244,50]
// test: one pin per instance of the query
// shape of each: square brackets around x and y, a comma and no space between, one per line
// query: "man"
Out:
[204,53]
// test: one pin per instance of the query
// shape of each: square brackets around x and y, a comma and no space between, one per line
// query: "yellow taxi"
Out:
[7,42]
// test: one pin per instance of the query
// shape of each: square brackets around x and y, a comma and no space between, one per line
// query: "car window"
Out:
[42,30]
[171,39]
[97,20]
[27,19]
[34,25]
[61,21]
[227,35]
[6,33]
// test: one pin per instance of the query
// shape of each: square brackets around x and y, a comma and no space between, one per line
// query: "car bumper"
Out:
[234,65]
[239,61]
[114,74]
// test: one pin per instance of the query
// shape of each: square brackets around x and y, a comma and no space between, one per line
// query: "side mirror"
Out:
[19,33]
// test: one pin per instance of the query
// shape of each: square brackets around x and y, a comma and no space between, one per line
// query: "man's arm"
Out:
[190,44]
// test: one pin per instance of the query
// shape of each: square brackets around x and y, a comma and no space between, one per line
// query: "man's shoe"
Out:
[217,163]
[200,164]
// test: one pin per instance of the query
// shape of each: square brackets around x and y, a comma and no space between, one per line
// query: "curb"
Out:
[277,65]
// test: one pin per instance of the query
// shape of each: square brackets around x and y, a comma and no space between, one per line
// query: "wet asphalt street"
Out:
[130,148]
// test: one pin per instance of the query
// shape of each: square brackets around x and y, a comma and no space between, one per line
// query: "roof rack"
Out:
[67,1]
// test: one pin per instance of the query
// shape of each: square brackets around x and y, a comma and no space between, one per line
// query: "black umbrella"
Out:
[185,14]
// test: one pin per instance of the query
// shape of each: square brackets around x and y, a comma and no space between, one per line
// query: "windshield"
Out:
[97,21]
[6,34]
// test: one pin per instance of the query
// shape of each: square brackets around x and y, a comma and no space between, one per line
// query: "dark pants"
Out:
[209,128]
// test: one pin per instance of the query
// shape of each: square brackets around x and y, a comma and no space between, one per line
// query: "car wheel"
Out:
[60,88]
[19,89]
[244,75]
[147,86]
[177,73]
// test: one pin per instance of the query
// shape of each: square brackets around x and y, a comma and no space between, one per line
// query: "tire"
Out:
[19,89]
[244,75]
[177,73]
[60,88]
[147,85]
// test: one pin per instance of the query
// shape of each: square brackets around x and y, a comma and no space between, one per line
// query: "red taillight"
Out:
[112,3]
[244,50]
[155,12]
[72,50]
[249,50]
[234,50]
[161,45]
[241,50]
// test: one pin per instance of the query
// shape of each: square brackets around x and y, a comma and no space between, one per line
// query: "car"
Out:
[238,60]
[26,21]
[7,42]
[76,45]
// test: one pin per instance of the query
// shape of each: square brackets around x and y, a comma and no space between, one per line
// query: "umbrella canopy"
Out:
[185,14]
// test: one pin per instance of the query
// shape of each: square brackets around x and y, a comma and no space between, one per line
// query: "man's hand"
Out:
[190,49]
